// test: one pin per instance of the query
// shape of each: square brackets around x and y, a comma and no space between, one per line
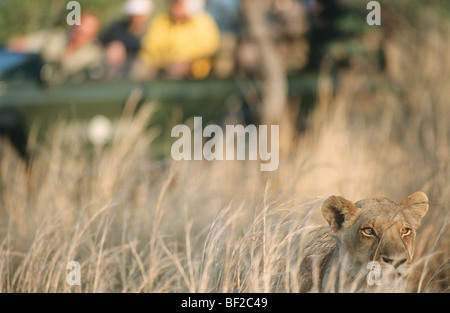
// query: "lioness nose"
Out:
[394,262]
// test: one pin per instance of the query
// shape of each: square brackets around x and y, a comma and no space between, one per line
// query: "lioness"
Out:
[362,234]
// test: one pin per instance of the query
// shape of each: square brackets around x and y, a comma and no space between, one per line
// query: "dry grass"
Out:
[137,225]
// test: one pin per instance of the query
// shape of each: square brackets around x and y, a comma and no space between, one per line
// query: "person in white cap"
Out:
[182,42]
[138,7]
[122,39]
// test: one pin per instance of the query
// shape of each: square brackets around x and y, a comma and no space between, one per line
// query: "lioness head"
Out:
[376,229]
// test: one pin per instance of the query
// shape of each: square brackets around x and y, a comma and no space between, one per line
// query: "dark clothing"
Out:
[118,31]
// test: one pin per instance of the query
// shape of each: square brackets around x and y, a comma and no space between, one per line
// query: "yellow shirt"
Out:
[167,42]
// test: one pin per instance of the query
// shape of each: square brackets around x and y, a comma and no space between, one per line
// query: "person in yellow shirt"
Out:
[181,43]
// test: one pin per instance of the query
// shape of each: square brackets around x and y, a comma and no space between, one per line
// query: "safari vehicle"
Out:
[22,88]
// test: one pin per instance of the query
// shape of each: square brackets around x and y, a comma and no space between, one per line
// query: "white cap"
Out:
[138,7]
[194,6]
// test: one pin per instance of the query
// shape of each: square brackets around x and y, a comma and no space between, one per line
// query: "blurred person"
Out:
[122,39]
[292,27]
[73,55]
[227,14]
[288,31]
[323,17]
[182,43]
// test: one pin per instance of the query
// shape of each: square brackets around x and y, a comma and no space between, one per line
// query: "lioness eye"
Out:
[405,231]
[368,231]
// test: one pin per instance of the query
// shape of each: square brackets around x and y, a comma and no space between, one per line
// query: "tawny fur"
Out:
[380,230]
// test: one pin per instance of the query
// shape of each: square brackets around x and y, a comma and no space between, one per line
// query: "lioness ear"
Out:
[415,207]
[339,212]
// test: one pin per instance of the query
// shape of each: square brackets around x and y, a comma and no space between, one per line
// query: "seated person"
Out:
[228,16]
[68,56]
[122,39]
[182,43]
